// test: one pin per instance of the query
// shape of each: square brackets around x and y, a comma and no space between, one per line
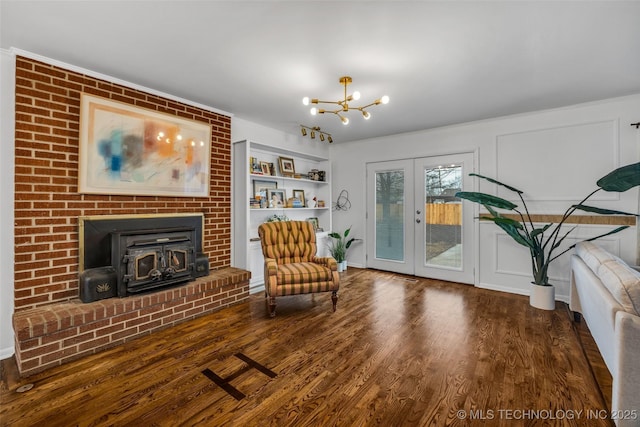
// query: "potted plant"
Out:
[339,246]
[544,241]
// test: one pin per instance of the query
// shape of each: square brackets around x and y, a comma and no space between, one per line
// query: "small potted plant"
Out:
[339,246]
[543,241]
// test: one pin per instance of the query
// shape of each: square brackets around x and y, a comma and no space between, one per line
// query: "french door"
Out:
[415,224]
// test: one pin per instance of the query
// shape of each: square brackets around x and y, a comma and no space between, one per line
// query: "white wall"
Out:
[7,167]
[555,156]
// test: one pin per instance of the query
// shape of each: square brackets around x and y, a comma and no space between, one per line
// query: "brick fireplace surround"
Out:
[51,325]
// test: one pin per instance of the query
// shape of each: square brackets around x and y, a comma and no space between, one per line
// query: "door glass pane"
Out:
[390,215]
[443,216]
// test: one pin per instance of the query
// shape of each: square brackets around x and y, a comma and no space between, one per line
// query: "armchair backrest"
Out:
[288,241]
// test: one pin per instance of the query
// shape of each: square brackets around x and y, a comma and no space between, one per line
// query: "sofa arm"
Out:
[328,262]
[625,402]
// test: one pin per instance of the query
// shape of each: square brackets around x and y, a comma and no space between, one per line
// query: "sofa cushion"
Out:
[593,255]
[623,283]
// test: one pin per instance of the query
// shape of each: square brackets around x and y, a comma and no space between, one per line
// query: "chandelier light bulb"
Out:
[345,120]
[305,100]
[314,111]
[356,95]
[366,115]
[385,99]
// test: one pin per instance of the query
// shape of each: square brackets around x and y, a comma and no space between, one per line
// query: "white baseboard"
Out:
[517,291]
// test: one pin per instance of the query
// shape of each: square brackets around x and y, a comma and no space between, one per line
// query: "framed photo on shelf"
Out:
[287,167]
[264,167]
[260,188]
[299,194]
[314,221]
[276,197]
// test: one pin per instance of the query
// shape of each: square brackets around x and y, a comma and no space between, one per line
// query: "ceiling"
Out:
[440,62]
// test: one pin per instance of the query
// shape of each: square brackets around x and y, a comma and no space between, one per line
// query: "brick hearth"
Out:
[58,333]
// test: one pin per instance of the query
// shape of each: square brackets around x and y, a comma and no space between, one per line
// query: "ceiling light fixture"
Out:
[344,104]
[313,131]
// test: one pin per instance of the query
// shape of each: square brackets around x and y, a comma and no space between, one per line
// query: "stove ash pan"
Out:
[142,261]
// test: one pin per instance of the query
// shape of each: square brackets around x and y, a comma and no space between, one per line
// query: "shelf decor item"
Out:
[276,198]
[264,168]
[314,221]
[287,167]
[543,241]
[299,195]
[130,150]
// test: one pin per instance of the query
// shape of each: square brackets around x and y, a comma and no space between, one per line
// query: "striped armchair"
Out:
[291,266]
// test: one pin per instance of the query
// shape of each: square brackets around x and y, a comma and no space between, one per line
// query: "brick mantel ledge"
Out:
[54,334]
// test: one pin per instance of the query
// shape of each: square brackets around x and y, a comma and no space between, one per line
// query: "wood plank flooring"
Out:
[397,352]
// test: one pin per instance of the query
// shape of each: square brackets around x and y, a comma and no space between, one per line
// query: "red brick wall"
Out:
[47,202]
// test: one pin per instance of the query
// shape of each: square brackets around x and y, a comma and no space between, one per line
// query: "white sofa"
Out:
[606,292]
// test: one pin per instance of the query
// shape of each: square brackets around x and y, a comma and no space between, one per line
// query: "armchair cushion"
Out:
[302,272]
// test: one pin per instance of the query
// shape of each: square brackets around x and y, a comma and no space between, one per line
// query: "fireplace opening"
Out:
[129,255]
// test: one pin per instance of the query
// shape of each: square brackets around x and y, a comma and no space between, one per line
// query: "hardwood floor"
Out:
[398,351]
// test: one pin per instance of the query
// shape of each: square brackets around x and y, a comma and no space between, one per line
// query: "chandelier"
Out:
[344,104]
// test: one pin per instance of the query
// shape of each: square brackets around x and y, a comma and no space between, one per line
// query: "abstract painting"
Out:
[131,150]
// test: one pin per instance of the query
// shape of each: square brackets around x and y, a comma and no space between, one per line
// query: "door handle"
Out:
[418,212]
[417,221]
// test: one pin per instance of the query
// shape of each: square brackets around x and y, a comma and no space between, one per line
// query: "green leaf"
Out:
[621,179]
[609,233]
[493,181]
[486,199]
[601,210]
[537,231]
[335,235]
[493,212]
[510,227]
[506,221]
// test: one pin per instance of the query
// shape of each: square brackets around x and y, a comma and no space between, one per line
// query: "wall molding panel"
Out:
[565,175]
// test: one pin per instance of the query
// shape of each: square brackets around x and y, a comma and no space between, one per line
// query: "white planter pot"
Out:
[542,297]
[344,265]
[340,267]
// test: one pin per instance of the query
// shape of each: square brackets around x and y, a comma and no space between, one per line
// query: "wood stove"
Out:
[150,259]
[123,256]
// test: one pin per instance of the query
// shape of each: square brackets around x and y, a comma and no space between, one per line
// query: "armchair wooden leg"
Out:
[272,306]
[334,299]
